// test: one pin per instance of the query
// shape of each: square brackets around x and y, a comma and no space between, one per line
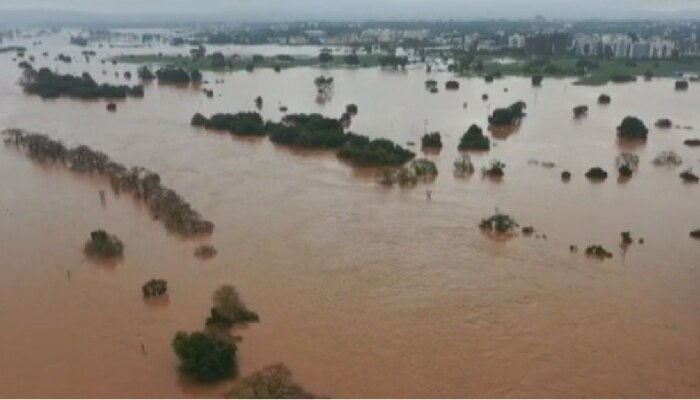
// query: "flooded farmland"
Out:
[362,290]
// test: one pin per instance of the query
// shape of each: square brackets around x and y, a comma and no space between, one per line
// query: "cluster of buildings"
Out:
[622,46]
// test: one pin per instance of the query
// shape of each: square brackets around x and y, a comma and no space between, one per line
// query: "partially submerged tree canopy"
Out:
[632,128]
[431,140]
[272,382]
[474,139]
[511,115]
[103,245]
[205,357]
[229,309]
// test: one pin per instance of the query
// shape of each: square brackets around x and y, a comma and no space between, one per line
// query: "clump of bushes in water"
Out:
[104,246]
[692,142]
[632,128]
[47,84]
[351,109]
[272,382]
[362,151]
[689,177]
[205,251]
[474,139]
[695,234]
[205,356]
[598,252]
[431,140]
[663,123]
[495,170]
[499,223]
[452,85]
[508,116]
[145,74]
[229,309]
[163,203]
[681,85]
[537,80]
[604,99]
[580,111]
[155,288]
[309,131]
[178,75]
[596,173]
[242,123]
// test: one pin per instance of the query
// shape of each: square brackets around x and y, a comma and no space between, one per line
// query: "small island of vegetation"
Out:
[48,84]
[511,115]
[474,139]
[103,246]
[632,128]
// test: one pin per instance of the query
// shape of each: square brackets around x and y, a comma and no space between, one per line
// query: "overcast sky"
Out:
[376,9]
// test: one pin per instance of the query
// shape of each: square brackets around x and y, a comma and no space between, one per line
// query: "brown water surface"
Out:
[362,290]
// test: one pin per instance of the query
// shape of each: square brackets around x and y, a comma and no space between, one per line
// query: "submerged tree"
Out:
[474,139]
[103,245]
[632,128]
[205,357]
[272,382]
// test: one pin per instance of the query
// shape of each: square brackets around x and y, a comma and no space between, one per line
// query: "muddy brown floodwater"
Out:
[362,290]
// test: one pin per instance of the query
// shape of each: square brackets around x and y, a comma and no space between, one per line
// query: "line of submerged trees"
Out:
[163,203]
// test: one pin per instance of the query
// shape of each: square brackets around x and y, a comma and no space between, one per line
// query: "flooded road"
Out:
[363,291]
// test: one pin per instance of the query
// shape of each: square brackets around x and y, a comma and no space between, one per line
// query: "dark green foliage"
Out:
[351,109]
[626,238]
[598,252]
[692,142]
[474,139]
[205,357]
[46,84]
[695,234]
[198,120]
[243,123]
[218,60]
[155,288]
[452,85]
[499,223]
[496,169]
[623,78]
[632,128]
[325,57]
[596,173]
[508,116]
[309,131]
[195,76]
[537,80]
[273,382]
[663,123]
[604,99]
[205,251]
[625,171]
[689,177]
[103,245]
[218,320]
[681,85]
[172,75]
[580,111]
[393,62]
[375,152]
[229,309]
[566,176]
[352,59]
[431,140]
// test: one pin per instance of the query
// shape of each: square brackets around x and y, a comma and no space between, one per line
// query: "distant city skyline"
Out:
[241,10]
